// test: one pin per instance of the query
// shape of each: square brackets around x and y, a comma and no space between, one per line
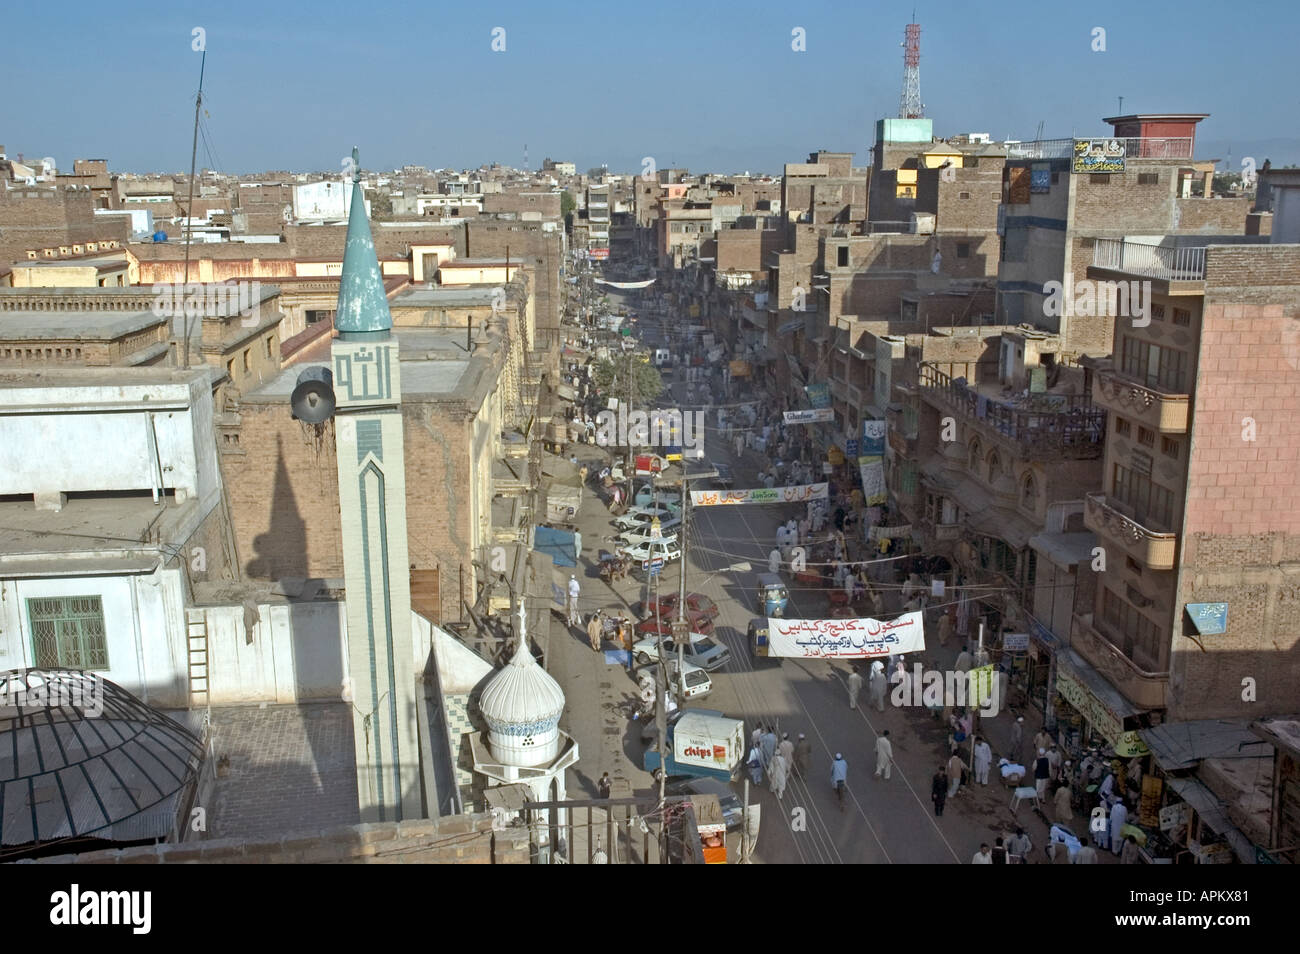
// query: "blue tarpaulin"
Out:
[557,543]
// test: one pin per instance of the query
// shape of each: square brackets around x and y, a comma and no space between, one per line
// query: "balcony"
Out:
[1146,690]
[1135,147]
[1044,425]
[1159,410]
[1107,517]
[1167,263]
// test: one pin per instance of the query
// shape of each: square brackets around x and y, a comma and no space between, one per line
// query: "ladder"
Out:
[196,645]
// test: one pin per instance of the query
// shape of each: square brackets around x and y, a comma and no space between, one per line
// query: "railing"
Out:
[1051,423]
[1135,147]
[1144,689]
[1106,515]
[1183,263]
[1166,411]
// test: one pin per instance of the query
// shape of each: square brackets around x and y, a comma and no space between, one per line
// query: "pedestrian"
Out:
[774,561]
[999,852]
[1118,819]
[884,755]
[767,745]
[878,684]
[603,786]
[1064,808]
[1130,855]
[839,771]
[983,759]
[596,629]
[945,629]
[1017,738]
[740,445]
[574,589]
[802,754]
[1018,847]
[955,768]
[1041,773]
[786,750]
[855,686]
[984,856]
[778,772]
[756,737]
[1086,855]
[963,662]
[1042,740]
[939,791]
[1054,762]
[755,764]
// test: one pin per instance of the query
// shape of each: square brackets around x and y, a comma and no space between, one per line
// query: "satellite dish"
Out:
[313,396]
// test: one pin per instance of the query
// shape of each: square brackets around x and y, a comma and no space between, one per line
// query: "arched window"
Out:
[1029,492]
[995,465]
[975,455]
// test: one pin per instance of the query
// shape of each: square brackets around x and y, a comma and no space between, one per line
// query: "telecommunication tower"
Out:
[911,107]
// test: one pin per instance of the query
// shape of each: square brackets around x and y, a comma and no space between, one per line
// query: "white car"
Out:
[640,535]
[642,554]
[638,516]
[703,651]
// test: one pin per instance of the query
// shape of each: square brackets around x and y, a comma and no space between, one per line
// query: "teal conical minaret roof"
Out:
[363,306]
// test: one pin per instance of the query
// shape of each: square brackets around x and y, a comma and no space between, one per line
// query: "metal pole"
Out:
[189,211]
[681,589]
[744,825]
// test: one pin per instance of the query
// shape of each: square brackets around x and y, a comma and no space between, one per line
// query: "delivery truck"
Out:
[702,743]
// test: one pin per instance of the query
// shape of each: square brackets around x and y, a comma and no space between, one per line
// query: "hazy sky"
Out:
[708,86]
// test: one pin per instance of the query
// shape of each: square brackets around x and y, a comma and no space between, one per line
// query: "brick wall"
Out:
[457,839]
[545,203]
[1218,216]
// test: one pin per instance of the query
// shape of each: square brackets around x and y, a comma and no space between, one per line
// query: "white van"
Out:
[663,357]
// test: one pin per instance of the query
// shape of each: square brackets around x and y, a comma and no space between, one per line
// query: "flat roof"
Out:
[86,525]
[62,325]
[420,378]
[436,296]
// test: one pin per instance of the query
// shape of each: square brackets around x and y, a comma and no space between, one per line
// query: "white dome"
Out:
[522,705]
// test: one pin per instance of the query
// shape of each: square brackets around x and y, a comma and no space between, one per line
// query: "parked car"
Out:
[639,535]
[732,809]
[705,652]
[693,683]
[643,553]
[697,604]
[664,625]
[637,516]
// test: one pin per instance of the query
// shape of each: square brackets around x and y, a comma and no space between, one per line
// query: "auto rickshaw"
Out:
[758,637]
[772,594]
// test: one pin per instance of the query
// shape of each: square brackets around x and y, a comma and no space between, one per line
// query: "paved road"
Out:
[882,821]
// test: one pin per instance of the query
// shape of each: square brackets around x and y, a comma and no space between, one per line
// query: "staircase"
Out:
[196,640]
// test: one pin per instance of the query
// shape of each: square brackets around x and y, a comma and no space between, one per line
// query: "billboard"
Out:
[759,495]
[864,638]
[809,417]
[1098,155]
[819,395]
[597,254]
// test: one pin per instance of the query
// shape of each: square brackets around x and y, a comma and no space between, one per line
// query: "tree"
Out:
[611,379]
[381,206]
[567,204]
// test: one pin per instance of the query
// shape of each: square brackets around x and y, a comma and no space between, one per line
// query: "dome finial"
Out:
[522,650]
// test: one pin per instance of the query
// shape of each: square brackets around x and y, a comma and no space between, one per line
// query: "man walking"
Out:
[786,750]
[939,791]
[1054,762]
[767,744]
[1118,819]
[963,662]
[945,628]
[984,856]
[884,755]
[604,786]
[855,686]
[878,685]
[802,754]
[1086,855]
[1041,773]
[575,619]
[778,772]
[954,773]
[983,759]
[1017,738]
[596,629]
[774,561]
[1019,846]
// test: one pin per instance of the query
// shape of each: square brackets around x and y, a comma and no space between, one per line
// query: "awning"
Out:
[1098,701]
[558,544]
[1009,527]
[1177,746]
[566,393]
[79,566]
[1213,813]
[1065,549]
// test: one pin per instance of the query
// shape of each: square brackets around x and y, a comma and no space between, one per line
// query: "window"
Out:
[1170,447]
[975,456]
[1099,178]
[269,342]
[1148,178]
[1149,502]
[68,632]
[230,368]
[1158,312]
[1122,427]
[1182,317]
[1155,366]
[1056,178]
[248,360]
[1029,492]
[1136,632]
[963,249]
[995,465]
[963,195]
[1146,437]
[842,254]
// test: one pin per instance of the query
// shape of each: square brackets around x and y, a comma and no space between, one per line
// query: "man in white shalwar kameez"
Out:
[878,684]
[778,771]
[1118,819]
[983,759]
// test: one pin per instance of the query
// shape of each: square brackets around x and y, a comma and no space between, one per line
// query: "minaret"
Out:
[372,501]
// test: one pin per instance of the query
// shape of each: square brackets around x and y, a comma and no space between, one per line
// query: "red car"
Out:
[663,625]
[697,605]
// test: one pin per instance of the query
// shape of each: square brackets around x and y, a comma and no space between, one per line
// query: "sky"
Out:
[706,86]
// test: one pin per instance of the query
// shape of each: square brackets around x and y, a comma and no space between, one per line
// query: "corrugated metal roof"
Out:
[1181,745]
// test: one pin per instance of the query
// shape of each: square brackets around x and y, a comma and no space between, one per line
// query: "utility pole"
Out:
[189,212]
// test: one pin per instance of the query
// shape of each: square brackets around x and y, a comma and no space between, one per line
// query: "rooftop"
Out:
[105,529]
[30,325]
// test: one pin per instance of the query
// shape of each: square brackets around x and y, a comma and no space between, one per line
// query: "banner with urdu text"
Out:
[864,638]
[759,495]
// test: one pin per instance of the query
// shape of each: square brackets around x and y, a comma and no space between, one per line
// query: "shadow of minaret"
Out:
[282,551]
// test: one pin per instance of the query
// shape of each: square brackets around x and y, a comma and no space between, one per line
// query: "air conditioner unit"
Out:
[922,223]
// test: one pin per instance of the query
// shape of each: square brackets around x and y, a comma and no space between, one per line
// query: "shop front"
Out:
[1092,714]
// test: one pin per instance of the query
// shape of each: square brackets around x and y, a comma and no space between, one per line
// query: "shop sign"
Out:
[1015,642]
[1088,706]
[1173,816]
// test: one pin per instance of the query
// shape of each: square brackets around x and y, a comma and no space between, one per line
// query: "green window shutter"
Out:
[68,632]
